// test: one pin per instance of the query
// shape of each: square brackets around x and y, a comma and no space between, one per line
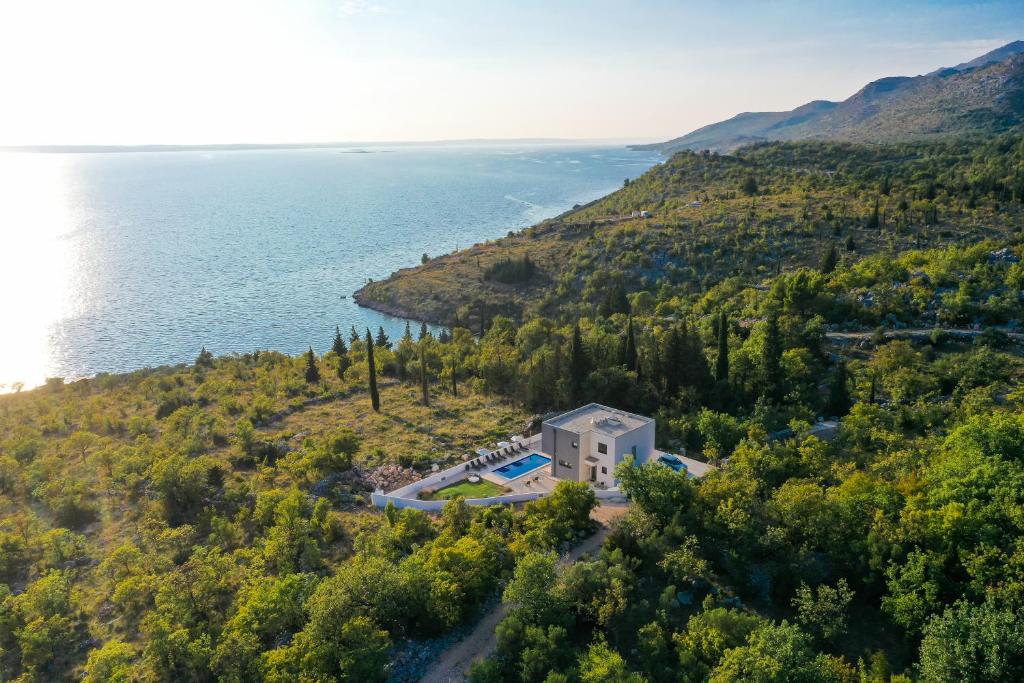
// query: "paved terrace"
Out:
[534,484]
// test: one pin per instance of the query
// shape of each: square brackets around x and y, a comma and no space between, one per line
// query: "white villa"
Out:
[585,445]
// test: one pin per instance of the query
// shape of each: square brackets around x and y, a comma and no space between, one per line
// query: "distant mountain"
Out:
[980,96]
[998,55]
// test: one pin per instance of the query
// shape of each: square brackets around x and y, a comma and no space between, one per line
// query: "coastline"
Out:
[395,311]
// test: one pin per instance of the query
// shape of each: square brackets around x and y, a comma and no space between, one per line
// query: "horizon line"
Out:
[356,144]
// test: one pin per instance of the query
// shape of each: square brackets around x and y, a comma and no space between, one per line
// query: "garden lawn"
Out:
[466,489]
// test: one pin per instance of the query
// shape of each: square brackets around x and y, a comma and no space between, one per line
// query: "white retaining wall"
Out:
[408,495]
[382,499]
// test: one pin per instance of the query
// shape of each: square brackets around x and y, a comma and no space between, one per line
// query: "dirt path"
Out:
[453,664]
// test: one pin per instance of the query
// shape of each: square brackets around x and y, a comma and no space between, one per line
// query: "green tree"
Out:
[312,372]
[838,391]
[979,643]
[629,354]
[371,369]
[424,379]
[530,589]
[382,338]
[772,376]
[338,346]
[601,664]
[772,653]
[749,186]
[874,221]
[829,261]
[825,612]
[110,663]
[722,362]
[204,359]
[579,366]
[657,490]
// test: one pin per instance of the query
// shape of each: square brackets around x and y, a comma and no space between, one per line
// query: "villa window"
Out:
[602,448]
[604,470]
[575,444]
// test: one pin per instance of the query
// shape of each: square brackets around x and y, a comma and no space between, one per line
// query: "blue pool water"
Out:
[520,467]
[674,463]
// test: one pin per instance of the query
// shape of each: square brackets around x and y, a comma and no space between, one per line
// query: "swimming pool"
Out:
[516,469]
[673,462]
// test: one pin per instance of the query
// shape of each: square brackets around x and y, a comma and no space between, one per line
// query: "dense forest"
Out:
[210,521]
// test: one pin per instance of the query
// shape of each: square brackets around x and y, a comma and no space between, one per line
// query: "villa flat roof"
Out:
[594,417]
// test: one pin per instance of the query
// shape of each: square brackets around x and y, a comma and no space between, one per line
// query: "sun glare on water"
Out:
[35,222]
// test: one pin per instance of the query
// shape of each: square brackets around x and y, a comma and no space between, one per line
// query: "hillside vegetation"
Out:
[766,209]
[210,522]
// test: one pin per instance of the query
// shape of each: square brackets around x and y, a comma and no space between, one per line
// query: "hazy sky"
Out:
[198,71]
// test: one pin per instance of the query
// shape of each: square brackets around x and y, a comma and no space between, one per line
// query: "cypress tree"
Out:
[577,366]
[873,221]
[722,363]
[372,371]
[341,351]
[407,335]
[339,344]
[312,373]
[424,385]
[771,361]
[749,186]
[382,338]
[838,393]
[455,385]
[671,362]
[556,343]
[629,355]
[424,332]
[829,262]
[694,368]
[871,390]
[353,336]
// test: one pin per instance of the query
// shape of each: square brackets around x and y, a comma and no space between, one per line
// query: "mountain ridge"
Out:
[983,95]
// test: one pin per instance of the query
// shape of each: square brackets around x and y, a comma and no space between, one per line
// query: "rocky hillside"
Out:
[981,96]
[708,217]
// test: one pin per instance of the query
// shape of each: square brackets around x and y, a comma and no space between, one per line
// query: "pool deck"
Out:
[529,486]
[536,480]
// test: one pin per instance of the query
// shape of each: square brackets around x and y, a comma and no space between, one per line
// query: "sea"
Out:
[111,262]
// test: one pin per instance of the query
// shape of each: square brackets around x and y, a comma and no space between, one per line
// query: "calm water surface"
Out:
[112,262]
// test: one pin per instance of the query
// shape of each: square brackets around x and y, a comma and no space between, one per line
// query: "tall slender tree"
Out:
[382,338]
[838,392]
[830,260]
[339,344]
[424,332]
[671,362]
[629,354]
[312,372]
[407,335]
[771,361]
[371,367]
[341,351]
[578,366]
[353,336]
[424,383]
[874,221]
[722,362]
